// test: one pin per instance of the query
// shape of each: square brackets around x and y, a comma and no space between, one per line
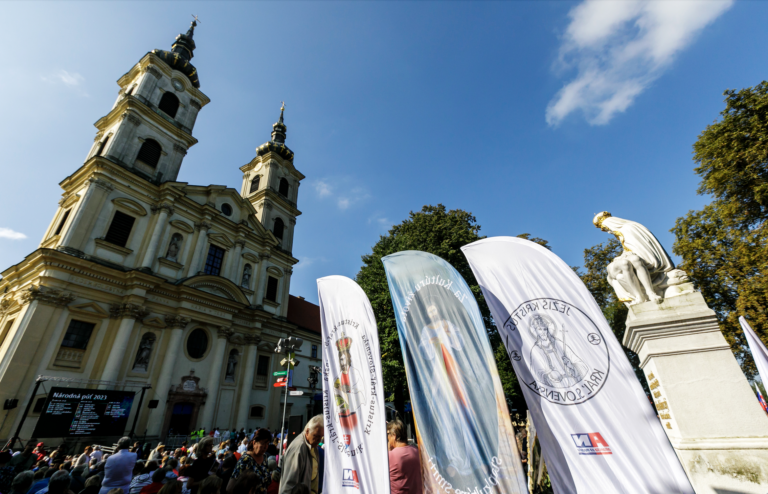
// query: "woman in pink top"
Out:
[404,463]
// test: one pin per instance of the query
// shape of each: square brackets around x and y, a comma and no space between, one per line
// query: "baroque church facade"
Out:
[141,279]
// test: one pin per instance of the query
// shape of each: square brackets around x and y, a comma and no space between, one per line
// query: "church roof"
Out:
[277,144]
[304,314]
[180,55]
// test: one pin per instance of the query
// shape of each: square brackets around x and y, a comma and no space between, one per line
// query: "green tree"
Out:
[724,246]
[596,260]
[442,233]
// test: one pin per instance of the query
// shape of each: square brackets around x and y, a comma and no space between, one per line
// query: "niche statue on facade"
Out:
[231,365]
[145,351]
[246,282]
[644,271]
[173,247]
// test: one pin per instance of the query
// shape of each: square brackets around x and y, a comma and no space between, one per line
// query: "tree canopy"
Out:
[442,233]
[723,246]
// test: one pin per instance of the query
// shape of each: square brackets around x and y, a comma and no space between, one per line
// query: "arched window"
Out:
[150,152]
[169,103]
[279,227]
[283,189]
[255,184]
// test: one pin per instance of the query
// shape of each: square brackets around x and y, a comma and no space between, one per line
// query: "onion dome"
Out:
[180,55]
[277,144]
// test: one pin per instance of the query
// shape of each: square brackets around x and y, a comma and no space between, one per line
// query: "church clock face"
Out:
[177,84]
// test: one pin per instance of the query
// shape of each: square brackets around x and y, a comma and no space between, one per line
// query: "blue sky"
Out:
[534,116]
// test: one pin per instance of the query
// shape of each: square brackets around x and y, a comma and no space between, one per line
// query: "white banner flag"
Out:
[597,428]
[759,352]
[356,452]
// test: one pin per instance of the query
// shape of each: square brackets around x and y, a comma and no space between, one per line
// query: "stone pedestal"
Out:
[705,404]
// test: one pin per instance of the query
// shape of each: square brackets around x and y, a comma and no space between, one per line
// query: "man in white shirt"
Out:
[97,453]
[216,433]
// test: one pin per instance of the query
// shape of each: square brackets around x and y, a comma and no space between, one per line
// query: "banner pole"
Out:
[138,411]
[282,425]
[12,441]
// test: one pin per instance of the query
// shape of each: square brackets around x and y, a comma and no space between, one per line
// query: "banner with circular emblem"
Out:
[597,428]
[353,396]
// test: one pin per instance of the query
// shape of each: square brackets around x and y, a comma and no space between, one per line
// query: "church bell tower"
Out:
[271,183]
[149,128]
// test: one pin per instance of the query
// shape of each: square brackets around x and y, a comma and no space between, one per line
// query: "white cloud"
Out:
[322,187]
[11,235]
[619,48]
[380,221]
[67,78]
[350,195]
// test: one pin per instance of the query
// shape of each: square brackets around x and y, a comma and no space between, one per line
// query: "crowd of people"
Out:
[243,463]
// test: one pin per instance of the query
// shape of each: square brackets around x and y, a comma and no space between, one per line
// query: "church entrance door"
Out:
[181,417]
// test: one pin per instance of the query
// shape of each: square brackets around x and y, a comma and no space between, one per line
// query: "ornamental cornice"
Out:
[240,242]
[264,256]
[6,305]
[151,69]
[99,135]
[164,206]
[175,322]
[288,270]
[132,311]
[102,184]
[180,149]
[131,118]
[252,339]
[47,296]
[268,205]
[292,221]
[224,332]
[203,225]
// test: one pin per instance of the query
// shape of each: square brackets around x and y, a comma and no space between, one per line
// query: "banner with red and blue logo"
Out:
[356,453]
[597,429]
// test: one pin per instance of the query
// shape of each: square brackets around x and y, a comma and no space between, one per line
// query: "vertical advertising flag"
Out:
[759,352]
[597,428]
[466,440]
[356,452]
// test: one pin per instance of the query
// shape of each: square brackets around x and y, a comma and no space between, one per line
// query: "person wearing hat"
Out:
[157,453]
[40,451]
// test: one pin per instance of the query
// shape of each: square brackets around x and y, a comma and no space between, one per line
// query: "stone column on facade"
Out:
[172,171]
[128,315]
[148,83]
[93,200]
[214,377]
[266,216]
[176,324]
[231,272]
[16,360]
[289,240]
[263,265]
[202,242]
[164,211]
[284,293]
[124,136]
[194,109]
[244,406]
